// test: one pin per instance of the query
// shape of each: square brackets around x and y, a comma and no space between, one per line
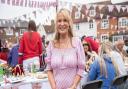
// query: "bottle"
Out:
[31,64]
[33,68]
[1,73]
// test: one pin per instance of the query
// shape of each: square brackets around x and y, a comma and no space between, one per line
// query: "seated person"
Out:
[119,47]
[126,45]
[93,43]
[105,67]
[89,54]
[125,48]
[13,56]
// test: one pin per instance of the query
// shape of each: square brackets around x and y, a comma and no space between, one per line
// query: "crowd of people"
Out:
[67,57]
[27,52]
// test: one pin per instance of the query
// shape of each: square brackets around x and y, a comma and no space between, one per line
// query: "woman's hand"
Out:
[54,87]
[72,87]
[87,66]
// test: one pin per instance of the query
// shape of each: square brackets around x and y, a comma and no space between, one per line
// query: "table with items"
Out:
[16,78]
[26,82]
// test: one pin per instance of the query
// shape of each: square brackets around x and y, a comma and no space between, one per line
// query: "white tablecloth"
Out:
[34,83]
[28,83]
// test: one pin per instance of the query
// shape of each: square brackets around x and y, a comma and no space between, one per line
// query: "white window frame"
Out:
[9,31]
[116,38]
[91,25]
[22,31]
[77,14]
[123,22]
[77,26]
[105,24]
[92,13]
[104,37]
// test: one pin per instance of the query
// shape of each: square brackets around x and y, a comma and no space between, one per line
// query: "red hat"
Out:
[94,45]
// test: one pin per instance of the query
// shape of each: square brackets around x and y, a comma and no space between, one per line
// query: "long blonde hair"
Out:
[106,48]
[67,16]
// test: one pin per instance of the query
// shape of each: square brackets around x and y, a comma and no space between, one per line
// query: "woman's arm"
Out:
[49,68]
[51,79]
[93,71]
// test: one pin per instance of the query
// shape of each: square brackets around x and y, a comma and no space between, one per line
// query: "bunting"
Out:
[118,8]
[108,16]
[101,15]
[110,11]
[123,8]
[88,6]
[24,16]
[101,6]
[34,13]
[110,8]
[30,3]
[77,8]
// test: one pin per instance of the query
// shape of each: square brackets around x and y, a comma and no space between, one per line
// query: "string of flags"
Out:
[93,11]
[44,4]
[84,9]
[40,16]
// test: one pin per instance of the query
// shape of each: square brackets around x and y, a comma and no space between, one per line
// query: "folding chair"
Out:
[119,81]
[96,84]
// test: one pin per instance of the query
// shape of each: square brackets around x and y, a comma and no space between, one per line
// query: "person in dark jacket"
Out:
[104,68]
[13,56]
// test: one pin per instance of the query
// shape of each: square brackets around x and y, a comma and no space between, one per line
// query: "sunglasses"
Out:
[85,44]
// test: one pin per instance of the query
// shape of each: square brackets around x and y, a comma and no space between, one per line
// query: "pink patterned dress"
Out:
[66,63]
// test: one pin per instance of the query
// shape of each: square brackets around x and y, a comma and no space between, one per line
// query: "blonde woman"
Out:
[65,55]
[104,67]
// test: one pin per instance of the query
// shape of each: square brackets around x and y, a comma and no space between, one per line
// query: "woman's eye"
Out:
[59,21]
[65,20]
